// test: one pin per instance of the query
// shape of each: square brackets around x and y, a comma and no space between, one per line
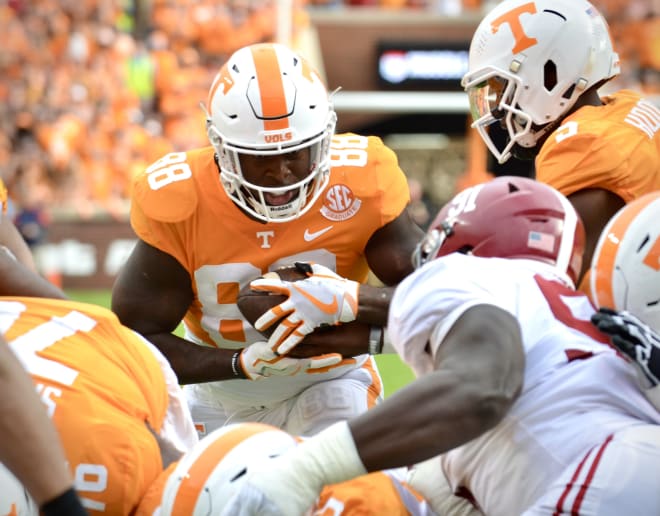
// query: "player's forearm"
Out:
[16,279]
[193,363]
[447,413]
[28,436]
[374,304]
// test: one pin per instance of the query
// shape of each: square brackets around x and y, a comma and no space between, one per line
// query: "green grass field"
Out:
[395,374]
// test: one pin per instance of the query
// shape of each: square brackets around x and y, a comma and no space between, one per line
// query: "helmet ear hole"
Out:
[549,75]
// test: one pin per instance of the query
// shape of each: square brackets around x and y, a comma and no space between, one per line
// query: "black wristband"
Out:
[67,504]
[236,366]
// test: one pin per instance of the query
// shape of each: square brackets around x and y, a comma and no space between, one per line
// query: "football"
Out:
[253,304]
[349,339]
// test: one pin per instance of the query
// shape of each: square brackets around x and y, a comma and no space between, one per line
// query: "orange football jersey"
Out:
[375,494]
[101,385]
[615,147]
[180,207]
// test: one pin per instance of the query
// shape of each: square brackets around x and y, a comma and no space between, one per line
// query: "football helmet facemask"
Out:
[212,472]
[267,100]
[625,268]
[529,62]
[508,217]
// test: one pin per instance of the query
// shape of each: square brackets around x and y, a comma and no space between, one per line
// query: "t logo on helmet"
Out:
[512,18]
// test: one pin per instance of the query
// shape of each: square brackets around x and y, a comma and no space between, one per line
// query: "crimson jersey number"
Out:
[554,292]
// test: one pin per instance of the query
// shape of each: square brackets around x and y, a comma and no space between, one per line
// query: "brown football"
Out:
[349,339]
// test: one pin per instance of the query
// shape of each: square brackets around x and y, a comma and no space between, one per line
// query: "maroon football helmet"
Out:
[508,217]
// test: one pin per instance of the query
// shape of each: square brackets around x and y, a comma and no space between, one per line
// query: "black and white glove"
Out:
[634,338]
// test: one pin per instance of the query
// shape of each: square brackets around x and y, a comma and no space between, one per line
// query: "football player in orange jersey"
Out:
[206,477]
[275,186]
[111,395]
[29,439]
[535,68]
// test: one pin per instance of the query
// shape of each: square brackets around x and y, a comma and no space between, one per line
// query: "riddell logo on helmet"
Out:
[277,138]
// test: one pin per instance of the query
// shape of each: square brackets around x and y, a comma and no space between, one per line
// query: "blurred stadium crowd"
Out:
[94,90]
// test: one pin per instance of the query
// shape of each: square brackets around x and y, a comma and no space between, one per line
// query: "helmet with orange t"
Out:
[625,269]
[529,62]
[268,101]
[212,472]
[508,217]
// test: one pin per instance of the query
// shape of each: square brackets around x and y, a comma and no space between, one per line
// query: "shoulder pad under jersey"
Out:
[166,191]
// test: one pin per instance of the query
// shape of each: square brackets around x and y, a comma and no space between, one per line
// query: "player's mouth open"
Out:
[279,200]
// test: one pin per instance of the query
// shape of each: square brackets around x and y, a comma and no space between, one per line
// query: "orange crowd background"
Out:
[92,91]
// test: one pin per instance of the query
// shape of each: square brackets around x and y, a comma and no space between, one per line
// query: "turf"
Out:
[395,374]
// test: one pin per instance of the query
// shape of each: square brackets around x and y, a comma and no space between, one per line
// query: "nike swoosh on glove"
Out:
[323,298]
[634,338]
[259,361]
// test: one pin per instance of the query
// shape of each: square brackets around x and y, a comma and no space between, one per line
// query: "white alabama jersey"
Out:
[577,389]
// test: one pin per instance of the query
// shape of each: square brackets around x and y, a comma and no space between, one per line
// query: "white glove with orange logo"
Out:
[322,299]
[258,361]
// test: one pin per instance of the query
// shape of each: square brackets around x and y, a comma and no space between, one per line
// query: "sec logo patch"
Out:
[340,203]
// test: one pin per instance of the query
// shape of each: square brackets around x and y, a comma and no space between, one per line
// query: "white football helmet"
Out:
[529,62]
[14,498]
[625,269]
[268,100]
[208,475]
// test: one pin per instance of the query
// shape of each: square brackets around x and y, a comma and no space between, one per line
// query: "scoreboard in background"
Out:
[421,66]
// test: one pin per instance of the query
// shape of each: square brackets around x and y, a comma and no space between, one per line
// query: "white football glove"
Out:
[322,299]
[259,361]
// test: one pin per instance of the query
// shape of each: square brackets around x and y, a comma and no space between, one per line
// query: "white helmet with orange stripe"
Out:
[529,62]
[267,100]
[207,476]
[625,269]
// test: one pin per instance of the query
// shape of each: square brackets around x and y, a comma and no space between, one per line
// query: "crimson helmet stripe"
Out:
[206,461]
[271,88]
[604,259]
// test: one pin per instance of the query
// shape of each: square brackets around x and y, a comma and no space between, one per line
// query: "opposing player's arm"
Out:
[151,295]
[478,375]
[596,207]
